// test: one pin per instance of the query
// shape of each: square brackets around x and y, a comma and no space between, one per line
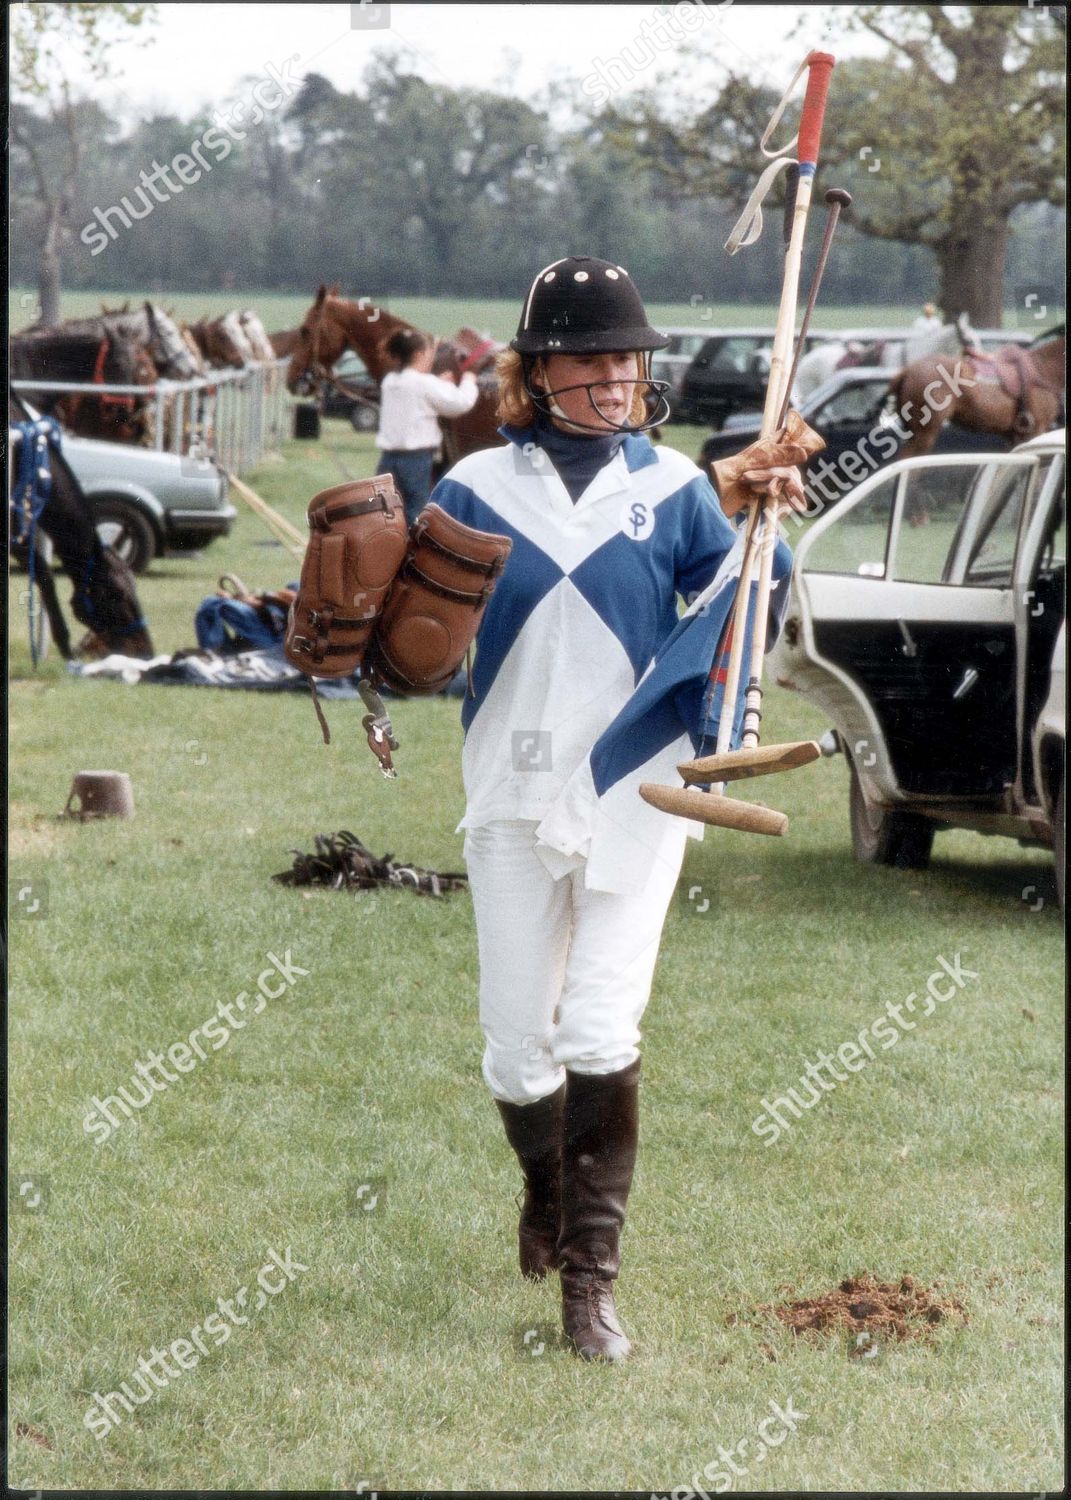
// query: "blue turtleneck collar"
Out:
[577,457]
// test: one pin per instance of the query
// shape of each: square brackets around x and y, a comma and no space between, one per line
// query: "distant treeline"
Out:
[412,188]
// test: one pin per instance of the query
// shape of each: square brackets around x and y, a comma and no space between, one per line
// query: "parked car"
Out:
[362,408]
[145,502]
[670,363]
[729,373]
[938,650]
[850,411]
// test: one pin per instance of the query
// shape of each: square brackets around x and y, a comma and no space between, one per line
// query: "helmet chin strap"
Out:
[544,401]
[556,411]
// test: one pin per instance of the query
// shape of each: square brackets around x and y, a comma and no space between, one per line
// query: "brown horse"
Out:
[222,341]
[1016,392]
[334,324]
[285,341]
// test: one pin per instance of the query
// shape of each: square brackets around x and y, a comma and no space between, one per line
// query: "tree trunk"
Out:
[48,275]
[972,273]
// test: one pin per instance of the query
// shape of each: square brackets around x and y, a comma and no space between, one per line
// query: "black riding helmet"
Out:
[580,305]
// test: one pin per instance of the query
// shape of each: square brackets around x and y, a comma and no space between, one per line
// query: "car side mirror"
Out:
[871,570]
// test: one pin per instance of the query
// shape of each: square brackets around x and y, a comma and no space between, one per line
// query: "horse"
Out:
[104,596]
[91,353]
[334,324]
[222,341]
[284,341]
[192,345]
[1014,393]
[158,332]
[256,333]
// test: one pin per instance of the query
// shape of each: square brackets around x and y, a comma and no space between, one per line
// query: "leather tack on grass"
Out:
[903,1309]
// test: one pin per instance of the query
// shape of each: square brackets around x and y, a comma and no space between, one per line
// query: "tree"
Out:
[940,141]
[967,113]
[43,36]
[446,152]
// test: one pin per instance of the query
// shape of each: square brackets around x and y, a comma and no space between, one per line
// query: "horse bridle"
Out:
[319,371]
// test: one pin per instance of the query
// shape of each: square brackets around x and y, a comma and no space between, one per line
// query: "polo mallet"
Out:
[753,759]
[712,807]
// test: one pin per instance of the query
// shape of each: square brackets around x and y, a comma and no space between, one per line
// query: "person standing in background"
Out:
[412,400]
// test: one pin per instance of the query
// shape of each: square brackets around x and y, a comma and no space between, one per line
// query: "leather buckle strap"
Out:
[409,569]
[327,618]
[422,538]
[325,518]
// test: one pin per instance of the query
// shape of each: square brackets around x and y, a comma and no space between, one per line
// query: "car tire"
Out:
[126,528]
[884,837]
[1058,849]
[363,418]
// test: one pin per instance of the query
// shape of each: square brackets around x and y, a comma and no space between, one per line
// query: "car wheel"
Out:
[363,418]
[1058,844]
[127,530]
[884,837]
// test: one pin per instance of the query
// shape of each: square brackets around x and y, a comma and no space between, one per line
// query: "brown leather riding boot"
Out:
[535,1133]
[601,1129]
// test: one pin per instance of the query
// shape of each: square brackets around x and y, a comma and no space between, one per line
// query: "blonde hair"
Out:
[515,406]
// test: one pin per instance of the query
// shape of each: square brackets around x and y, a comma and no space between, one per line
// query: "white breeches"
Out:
[565,972]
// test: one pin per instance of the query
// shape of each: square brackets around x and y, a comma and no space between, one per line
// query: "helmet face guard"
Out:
[654,398]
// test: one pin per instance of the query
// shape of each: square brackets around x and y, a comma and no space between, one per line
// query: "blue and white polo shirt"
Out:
[587,595]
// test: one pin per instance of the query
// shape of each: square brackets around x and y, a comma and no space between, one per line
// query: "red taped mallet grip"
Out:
[819,70]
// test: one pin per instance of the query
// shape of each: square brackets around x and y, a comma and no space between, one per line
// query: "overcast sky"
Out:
[199,52]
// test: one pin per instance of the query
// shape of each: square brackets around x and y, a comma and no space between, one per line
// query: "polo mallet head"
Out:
[708,807]
[739,765]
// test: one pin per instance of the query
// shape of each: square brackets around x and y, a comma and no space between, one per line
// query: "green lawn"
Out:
[444,315]
[394,1356]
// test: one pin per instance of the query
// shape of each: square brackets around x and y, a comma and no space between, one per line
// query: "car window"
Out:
[992,556]
[688,344]
[932,509]
[959,522]
[732,355]
[855,404]
[856,541]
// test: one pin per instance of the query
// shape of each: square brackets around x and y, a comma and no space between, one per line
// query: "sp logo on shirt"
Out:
[637,520]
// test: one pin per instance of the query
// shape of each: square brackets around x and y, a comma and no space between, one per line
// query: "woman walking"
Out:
[607,530]
[411,401]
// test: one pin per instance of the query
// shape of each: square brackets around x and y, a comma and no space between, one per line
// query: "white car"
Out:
[145,501]
[926,618]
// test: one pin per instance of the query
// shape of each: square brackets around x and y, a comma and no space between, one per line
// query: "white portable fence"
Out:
[234,416]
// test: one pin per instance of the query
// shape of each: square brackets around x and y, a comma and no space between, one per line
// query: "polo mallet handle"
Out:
[836,199]
[820,68]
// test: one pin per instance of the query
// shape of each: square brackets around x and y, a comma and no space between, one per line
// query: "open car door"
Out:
[906,628]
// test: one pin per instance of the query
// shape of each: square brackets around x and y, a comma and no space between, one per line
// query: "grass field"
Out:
[443,315]
[394,1358]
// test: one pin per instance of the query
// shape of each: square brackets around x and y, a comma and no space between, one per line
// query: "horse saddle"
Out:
[1013,369]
